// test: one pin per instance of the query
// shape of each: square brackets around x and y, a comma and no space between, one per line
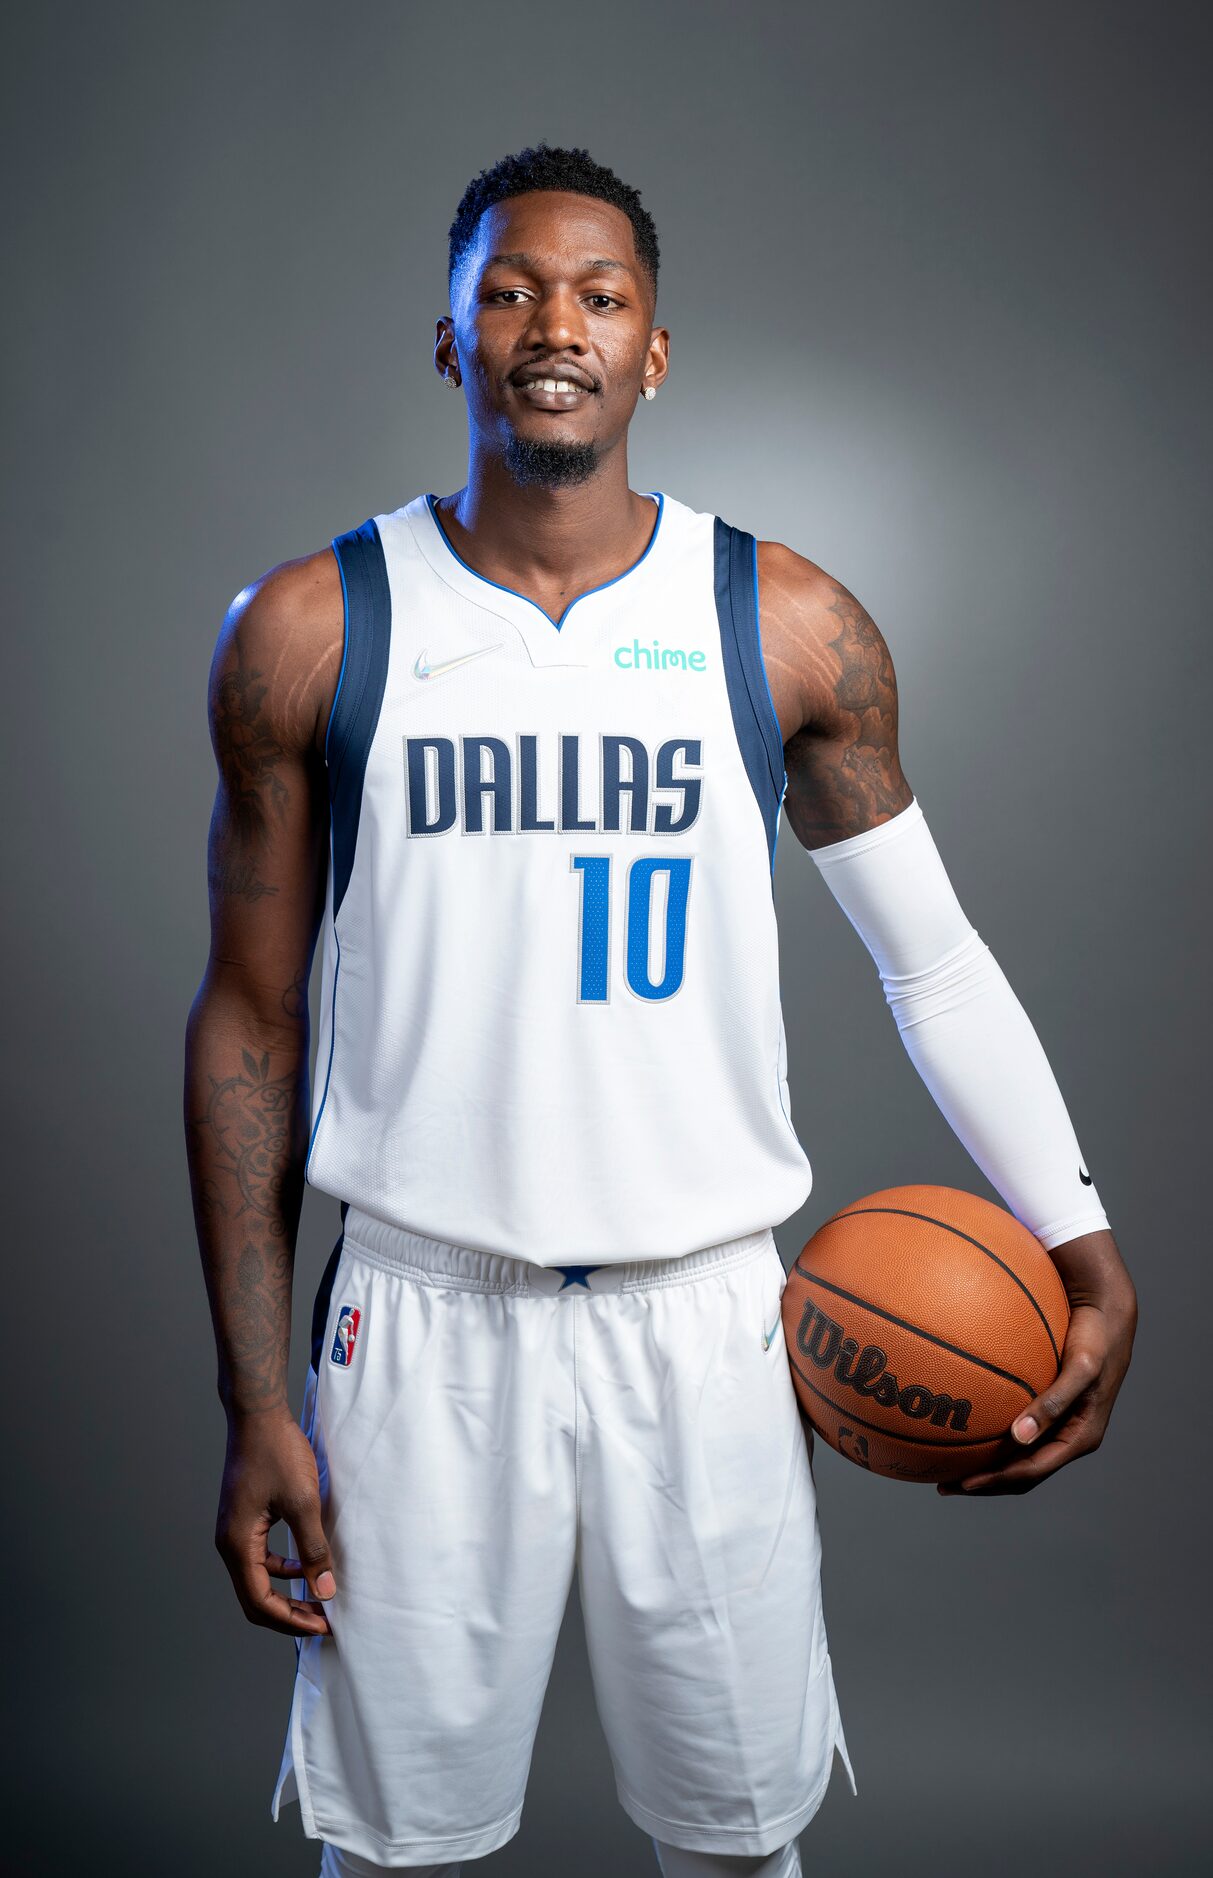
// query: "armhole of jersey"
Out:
[754,719]
[359,695]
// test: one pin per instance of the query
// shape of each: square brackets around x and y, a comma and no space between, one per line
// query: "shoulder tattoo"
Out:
[850,771]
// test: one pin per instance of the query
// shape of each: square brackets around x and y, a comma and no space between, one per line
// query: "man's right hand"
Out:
[270,1474]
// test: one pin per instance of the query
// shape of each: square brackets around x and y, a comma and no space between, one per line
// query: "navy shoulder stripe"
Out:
[356,706]
[753,708]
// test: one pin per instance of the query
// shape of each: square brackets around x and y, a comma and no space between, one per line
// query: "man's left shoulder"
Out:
[793,590]
[807,621]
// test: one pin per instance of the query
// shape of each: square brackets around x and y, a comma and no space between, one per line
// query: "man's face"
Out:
[552,290]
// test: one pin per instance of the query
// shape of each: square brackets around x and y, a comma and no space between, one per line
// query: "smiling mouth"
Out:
[552,393]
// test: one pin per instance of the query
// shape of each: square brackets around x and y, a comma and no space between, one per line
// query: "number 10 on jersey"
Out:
[594,932]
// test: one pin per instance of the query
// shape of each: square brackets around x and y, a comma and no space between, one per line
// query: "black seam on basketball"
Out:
[843,1410]
[904,1324]
[929,1219]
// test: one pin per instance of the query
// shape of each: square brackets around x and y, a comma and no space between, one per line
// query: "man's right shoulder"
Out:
[283,638]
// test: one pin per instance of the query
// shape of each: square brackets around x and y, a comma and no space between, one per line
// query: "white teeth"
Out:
[552,384]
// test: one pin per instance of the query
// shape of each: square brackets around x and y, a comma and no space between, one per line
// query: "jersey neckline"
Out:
[496,586]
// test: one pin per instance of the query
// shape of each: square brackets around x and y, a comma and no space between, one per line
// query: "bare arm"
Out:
[246,1094]
[835,693]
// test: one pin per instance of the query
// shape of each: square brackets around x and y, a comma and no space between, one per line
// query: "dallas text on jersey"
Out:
[448,787]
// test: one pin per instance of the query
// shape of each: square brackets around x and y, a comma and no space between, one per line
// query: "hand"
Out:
[1069,1417]
[270,1474]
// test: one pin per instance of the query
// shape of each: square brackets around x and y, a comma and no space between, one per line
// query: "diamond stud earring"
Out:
[650,392]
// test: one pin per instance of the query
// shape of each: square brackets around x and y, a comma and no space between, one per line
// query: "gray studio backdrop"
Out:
[937,287]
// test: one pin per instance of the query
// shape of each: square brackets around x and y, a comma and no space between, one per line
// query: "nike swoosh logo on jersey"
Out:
[422,670]
[1085,1177]
[768,1336]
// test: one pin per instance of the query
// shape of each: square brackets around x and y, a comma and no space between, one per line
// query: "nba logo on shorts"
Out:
[342,1351]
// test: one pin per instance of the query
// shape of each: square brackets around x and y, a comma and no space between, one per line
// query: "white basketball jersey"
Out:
[551,1023]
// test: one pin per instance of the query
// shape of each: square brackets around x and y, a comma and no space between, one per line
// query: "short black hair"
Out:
[544,166]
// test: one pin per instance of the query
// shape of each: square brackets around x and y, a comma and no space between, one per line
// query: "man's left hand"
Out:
[1069,1417]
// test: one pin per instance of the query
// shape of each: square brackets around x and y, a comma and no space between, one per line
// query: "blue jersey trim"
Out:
[367,603]
[359,699]
[753,708]
[328,1069]
[444,537]
[345,651]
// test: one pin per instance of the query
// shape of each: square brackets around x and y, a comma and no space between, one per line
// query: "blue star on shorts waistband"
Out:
[577,1274]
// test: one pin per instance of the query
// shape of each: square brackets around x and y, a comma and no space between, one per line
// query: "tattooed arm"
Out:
[835,695]
[246,1072]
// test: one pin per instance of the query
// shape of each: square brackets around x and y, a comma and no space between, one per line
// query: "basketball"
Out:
[919,1322]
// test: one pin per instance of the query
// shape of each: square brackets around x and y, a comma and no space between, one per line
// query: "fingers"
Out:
[1076,1375]
[268,1608]
[1071,1411]
[279,1566]
[252,1565]
[1028,1471]
[314,1557]
[270,1473]
[1082,1364]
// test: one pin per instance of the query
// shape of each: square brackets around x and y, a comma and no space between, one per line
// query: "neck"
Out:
[558,534]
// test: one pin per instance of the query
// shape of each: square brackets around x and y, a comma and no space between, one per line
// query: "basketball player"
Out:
[520,753]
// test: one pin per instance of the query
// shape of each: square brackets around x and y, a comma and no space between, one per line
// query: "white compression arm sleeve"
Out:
[966,1032]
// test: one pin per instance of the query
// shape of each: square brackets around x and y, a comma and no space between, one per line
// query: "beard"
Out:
[538,464]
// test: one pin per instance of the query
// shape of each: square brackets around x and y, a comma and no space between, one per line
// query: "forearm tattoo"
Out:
[851,778]
[246,1171]
[257,1321]
[249,1118]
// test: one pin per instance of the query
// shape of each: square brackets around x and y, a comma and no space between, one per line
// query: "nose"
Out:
[557,322]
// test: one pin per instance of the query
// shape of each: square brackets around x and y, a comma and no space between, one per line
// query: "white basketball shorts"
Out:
[484,1427]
